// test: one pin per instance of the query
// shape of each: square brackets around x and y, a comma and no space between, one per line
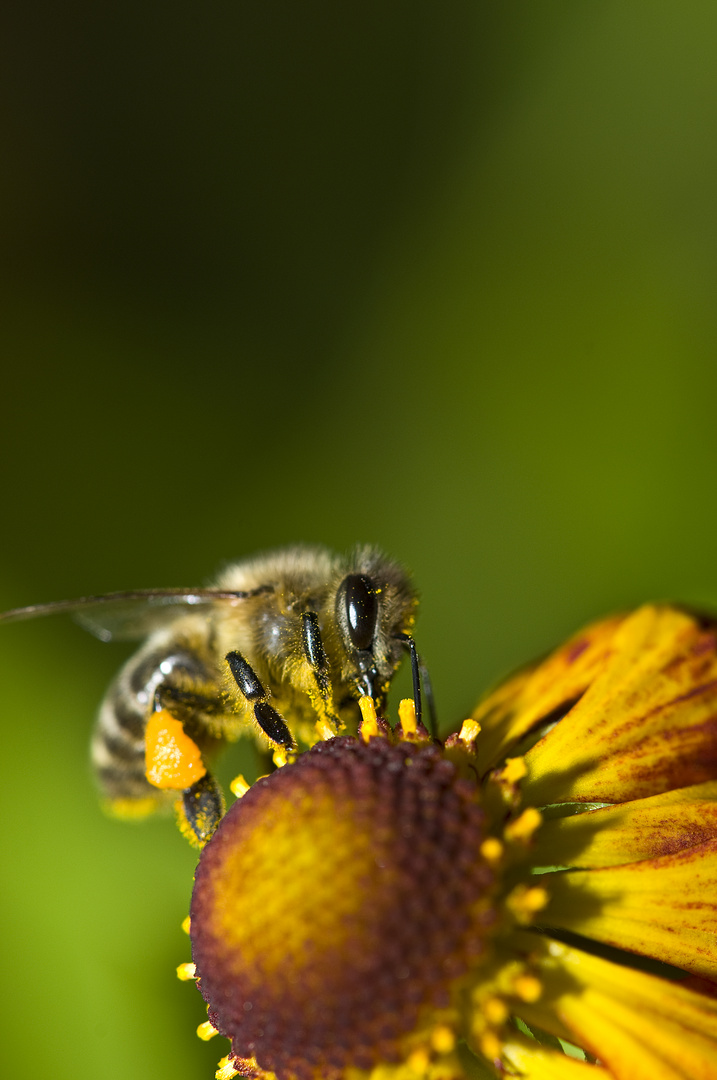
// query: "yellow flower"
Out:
[537,897]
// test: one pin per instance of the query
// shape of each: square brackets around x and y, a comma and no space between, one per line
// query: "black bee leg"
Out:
[418,669]
[202,809]
[318,661]
[183,704]
[269,720]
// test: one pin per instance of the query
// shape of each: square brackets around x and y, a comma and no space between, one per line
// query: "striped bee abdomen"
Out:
[118,742]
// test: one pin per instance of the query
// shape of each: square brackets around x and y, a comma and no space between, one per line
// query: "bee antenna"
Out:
[418,669]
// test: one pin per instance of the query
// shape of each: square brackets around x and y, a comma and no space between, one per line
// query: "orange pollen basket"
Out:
[172,759]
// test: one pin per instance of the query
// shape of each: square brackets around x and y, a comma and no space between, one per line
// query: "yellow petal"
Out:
[642,829]
[646,1027]
[646,724]
[635,1046]
[537,692]
[665,908]
[536,1063]
[640,1026]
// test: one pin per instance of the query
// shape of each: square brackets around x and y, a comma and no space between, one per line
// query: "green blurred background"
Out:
[438,276]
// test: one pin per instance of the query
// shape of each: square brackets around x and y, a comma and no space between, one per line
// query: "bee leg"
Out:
[269,720]
[418,668]
[316,657]
[201,810]
[183,704]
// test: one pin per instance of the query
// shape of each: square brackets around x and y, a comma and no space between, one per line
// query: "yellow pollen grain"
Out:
[508,974]
[524,902]
[369,726]
[443,1039]
[470,730]
[490,1045]
[536,898]
[186,972]
[324,730]
[280,757]
[418,1061]
[407,716]
[528,988]
[226,1069]
[492,850]
[495,1011]
[186,924]
[521,830]
[514,770]
[239,786]
[206,1031]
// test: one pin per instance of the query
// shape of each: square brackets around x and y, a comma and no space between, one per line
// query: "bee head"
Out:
[375,603]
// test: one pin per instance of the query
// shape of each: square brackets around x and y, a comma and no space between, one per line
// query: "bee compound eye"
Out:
[361,606]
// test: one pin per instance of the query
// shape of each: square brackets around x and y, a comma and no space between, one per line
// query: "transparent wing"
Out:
[127,616]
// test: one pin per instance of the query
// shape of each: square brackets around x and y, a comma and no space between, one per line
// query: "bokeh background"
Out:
[439,276]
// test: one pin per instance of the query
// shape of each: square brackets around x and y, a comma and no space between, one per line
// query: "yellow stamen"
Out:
[186,924]
[443,1040]
[226,1070]
[507,976]
[324,730]
[513,771]
[490,1045]
[470,730]
[279,757]
[524,902]
[521,830]
[369,725]
[418,1062]
[495,1011]
[239,786]
[528,988]
[407,716]
[186,972]
[206,1031]
[492,850]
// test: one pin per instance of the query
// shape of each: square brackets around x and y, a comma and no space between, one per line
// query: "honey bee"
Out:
[285,644]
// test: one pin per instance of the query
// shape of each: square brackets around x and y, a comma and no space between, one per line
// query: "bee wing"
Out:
[127,616]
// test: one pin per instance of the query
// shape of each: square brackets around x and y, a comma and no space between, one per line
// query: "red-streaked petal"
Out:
[514,707]
[665,908]
[648,722]
[643,829]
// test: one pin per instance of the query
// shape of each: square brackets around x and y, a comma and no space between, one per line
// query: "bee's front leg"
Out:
[271,722]
[316,657]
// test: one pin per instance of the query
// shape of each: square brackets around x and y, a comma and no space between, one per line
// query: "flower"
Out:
[536,897]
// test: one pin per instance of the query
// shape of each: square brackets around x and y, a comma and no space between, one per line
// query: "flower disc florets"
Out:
[339,904]
[388,908]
